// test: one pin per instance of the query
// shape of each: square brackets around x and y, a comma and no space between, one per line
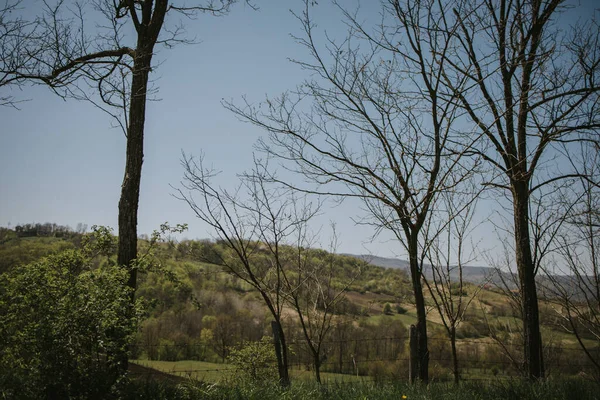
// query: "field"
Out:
[515,389]
[203,380]
[222,373]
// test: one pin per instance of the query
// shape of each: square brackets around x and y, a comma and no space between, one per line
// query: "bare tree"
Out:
[375,124]
[16,52]
[314,291]
[574,280]
[448,253]
[255,228]
[532,87]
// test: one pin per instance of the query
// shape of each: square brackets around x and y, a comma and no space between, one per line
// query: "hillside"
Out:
[200,311]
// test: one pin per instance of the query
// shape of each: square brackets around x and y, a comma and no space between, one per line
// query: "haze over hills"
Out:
[473,274]
[492,276]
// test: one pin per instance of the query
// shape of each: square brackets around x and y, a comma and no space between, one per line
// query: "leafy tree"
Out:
[63,325]
[254,362]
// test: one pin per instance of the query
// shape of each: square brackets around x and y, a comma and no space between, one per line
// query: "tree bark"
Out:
[130,189]
[281,352]
[317,363]
[454,355]
[534,365]
[423,351]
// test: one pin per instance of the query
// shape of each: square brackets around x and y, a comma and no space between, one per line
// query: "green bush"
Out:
[168,350]
[387,309]
[400,309]
[64,327]
[255,362]
[467,330]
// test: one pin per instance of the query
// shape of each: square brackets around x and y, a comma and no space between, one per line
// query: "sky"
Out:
[60,161]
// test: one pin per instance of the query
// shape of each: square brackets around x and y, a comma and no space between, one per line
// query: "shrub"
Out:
[254,362]
[400,309]
[387,309]
[65,328]
[168,350]
[467,330]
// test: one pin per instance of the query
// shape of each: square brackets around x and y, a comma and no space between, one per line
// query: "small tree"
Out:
[253,229]
[447,254]
[254,362]
[311,291]
[387,309]
[576,294]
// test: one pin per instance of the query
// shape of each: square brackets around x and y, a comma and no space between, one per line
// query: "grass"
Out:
[407,319]
[513,389]
[197,370]
[222,373]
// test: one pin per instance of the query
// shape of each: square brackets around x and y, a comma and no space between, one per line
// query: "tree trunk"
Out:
[130,189]
[413,360]
[454,355]
[281,352]
[341,358]
[534,365]
[317,363]
[415,272]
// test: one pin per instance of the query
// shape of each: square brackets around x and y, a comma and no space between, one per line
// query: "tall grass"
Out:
[546,390]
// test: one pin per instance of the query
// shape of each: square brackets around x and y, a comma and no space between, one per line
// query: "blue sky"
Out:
[61,162]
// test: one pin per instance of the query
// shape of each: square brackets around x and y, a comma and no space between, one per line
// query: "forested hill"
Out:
[29,242]
[198,310]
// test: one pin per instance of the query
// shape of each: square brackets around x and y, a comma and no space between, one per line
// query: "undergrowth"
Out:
[546,390]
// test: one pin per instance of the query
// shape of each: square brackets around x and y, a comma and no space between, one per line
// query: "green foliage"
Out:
[16,251]
[46,229]
[64,325]
[6,235]
[387,309]
[382,371]
[200,312]
[456,290]
[467,330]
[168,351]
[400,309]
[254,362]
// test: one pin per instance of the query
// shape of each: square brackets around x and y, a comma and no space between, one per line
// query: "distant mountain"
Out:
[493,277]
[472,274]
[384,262]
